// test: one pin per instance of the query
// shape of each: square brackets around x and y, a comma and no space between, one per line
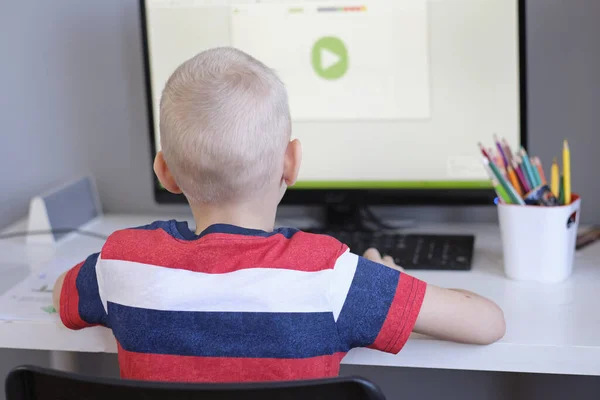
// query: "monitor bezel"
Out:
[412,197]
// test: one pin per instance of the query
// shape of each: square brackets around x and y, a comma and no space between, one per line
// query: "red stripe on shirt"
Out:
[402,315]
[69,300]
[222,253]
[173,368]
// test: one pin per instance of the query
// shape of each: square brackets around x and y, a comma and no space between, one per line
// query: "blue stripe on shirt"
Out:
[367,303]
[90,307]
[224,334]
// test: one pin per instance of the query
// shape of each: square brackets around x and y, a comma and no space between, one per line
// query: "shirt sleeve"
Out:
[80,303]
[373,305]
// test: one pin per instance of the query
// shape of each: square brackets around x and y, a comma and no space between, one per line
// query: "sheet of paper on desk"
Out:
[31,299]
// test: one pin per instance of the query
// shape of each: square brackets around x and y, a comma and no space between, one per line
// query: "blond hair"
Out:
[224,125]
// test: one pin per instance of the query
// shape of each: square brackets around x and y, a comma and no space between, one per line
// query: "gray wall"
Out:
[72,101]
[42,138]
[564,89]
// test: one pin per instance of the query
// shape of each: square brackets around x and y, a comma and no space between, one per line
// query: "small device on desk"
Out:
[398,132]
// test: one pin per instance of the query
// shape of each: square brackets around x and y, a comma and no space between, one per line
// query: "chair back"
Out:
[35,383]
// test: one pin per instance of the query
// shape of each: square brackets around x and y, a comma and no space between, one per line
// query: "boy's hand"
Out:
[373,255]
[57,290]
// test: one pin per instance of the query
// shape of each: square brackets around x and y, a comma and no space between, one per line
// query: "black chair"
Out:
[34,383]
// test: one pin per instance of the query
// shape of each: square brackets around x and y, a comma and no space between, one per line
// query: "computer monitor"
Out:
[388,97]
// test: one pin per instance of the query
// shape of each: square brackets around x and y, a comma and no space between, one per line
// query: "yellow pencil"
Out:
[554,179]
[567,171]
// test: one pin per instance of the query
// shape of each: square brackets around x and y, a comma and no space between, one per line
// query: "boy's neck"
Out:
[243,215]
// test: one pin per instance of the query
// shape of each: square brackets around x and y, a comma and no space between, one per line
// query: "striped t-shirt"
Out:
[235,304]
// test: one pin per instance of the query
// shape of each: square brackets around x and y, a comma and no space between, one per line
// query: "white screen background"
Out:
[467,89]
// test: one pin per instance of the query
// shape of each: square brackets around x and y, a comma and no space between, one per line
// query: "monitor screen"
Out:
[384,94]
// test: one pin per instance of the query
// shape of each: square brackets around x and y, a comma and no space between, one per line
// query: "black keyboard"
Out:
[412,251]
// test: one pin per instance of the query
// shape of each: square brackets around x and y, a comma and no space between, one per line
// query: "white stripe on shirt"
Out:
[343,274]
[249,290]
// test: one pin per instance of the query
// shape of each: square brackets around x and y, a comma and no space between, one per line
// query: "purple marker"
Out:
[501,151]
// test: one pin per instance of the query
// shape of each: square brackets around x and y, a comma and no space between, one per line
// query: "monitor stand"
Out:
[347,217]
[353,217]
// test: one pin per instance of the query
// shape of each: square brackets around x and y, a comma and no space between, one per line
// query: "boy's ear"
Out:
[292,161]
[164,175]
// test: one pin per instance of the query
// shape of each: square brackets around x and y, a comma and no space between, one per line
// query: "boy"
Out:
[236,300]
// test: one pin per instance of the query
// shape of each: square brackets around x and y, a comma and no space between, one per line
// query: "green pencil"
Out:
[497,187]
[561,191]
[501,192]
[510,190]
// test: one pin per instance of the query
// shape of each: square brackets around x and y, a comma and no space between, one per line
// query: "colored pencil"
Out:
[561,195]
[528,169]
[567,172]
[512,193]
[520,169]
[514,180]
[502,195]
[484,151]
[505,198]
[500,165]
[507,151]
[537,163]
[501,152]
[554,179]
[497,159]
[487,153]
[521,176]
[535,178]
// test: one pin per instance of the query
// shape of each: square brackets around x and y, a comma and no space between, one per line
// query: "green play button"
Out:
[330,58]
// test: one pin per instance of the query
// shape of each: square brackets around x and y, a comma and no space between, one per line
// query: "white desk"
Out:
[550,328]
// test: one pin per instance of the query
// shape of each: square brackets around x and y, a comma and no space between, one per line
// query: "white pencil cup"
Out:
[539,242]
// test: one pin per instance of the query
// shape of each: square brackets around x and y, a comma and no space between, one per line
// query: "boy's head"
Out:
[225,130]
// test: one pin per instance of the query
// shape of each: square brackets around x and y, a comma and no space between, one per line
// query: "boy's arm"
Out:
[76,296]
[454,314]
[460,316]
